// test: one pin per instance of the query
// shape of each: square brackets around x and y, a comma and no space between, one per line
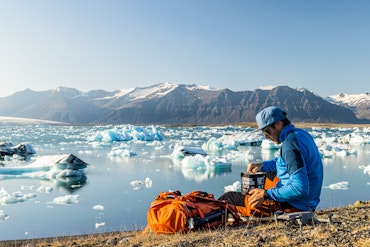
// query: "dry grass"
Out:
[350,227]
[362,243]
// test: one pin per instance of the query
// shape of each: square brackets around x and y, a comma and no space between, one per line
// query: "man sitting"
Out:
[298,168]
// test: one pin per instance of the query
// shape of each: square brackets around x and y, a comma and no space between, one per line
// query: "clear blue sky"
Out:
[241,45]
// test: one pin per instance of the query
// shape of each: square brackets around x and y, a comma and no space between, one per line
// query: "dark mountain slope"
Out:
[171,104]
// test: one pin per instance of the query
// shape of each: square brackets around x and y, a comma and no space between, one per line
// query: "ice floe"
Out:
[137,184]
[269,145]
[3,216]
[100,224]
[66,200]
[366,169]
[120,152]
[7,198]
[127,133]
[65,170]
[22,151]
[236,186]
[98,207]
[339,186]
[45,189]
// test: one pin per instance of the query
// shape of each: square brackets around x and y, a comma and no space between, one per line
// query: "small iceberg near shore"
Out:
[339,186]
[22,151]
[66,168]
[269,145]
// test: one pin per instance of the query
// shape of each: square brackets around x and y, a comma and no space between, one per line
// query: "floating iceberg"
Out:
[46,163]
[15,197]
[226,142]
[3,216]
[366,169]
[269,145]
[100,224]
[335,149]
[23,150]
[98,207]
[65,171]
[136,183]
[181,152]
[70,162]
[120,152]
[250,138]
[339,186]
[66,200]
[236,186]
[200,168]
[127,133]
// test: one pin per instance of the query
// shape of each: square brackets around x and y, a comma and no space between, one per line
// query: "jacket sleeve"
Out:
[269,165]
[295,182]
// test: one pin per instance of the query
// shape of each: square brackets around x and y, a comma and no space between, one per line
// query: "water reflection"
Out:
[203,174]
[196,165]
[70,184]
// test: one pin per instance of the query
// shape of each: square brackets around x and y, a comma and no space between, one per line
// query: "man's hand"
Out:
[254,167]
[256,199]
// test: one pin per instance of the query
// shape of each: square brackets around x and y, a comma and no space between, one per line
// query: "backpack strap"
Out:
[197,196]
[168,195]
[145,231]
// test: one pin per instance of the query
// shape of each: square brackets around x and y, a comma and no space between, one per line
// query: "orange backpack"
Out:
[172,212]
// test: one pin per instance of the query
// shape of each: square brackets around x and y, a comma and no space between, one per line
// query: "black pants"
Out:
[234,198]
[238,199]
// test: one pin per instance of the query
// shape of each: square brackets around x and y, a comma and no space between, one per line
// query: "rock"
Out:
[111,241]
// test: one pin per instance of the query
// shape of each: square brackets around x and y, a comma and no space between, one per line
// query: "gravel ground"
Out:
[350,226]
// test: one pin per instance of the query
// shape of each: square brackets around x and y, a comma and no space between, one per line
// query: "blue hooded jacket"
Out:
[299,168]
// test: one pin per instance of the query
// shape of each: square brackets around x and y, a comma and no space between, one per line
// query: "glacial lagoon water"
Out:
[130,165]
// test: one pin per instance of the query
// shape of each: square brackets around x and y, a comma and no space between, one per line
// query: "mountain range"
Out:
[179,104]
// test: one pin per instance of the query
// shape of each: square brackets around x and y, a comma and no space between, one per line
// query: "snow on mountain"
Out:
[268,87]
[157,90]
[122,93]
[154,91]
[70,92]
[197,87]
[352,100]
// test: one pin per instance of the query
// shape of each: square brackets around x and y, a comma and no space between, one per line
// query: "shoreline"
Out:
[349,227]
